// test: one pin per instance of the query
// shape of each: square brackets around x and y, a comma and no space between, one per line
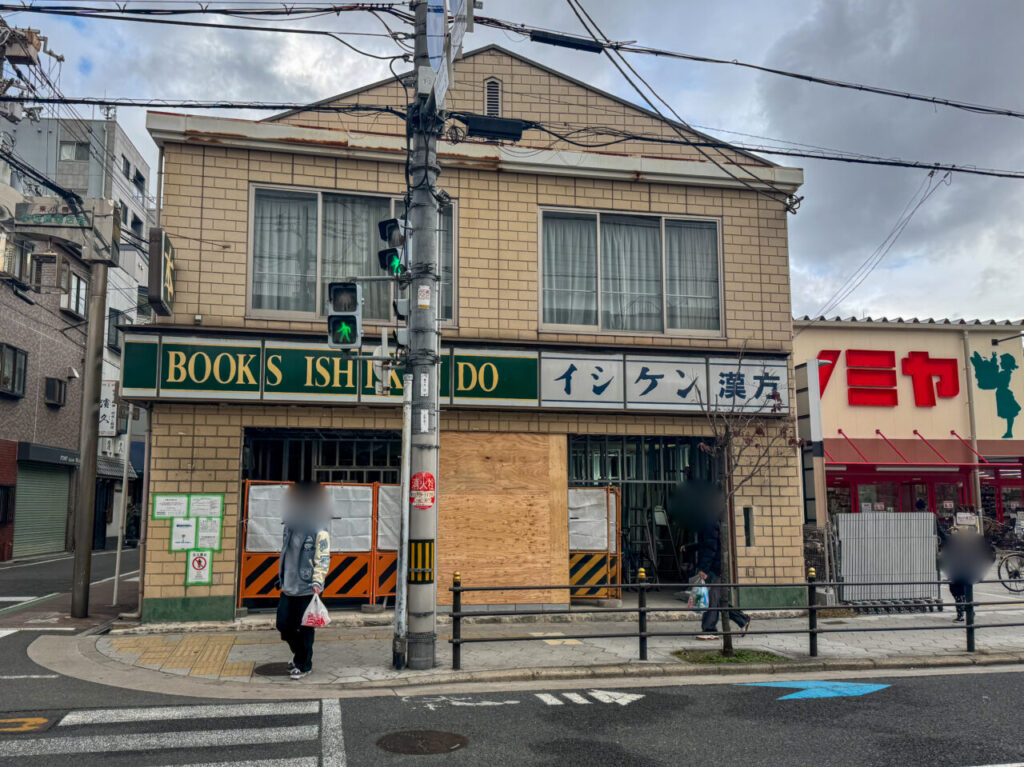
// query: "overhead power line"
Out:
[272,106]
[39,177]
[553,37]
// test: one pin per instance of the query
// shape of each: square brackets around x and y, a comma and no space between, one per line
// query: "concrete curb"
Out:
[78,657]
[376,620]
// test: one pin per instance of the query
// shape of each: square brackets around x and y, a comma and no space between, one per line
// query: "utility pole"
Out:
[85,509]
[423,358]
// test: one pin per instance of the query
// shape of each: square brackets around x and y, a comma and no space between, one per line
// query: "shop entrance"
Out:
[646,470]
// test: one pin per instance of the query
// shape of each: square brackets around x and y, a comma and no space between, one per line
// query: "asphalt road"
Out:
[52,574]
[955,720]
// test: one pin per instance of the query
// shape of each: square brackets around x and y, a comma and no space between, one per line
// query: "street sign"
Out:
[822,689]
[437,29]
[108,409]
[422,490]
[161,272]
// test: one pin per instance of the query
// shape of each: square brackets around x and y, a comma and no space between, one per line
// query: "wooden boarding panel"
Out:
[503,516]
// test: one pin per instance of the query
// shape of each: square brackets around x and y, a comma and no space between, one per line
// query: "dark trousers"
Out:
[718,596]
[299,638]
[959,592]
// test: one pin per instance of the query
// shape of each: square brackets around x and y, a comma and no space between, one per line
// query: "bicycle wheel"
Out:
[1011,572]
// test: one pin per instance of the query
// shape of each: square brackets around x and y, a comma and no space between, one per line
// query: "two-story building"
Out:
[596,304]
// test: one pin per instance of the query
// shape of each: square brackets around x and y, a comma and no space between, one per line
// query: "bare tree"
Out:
[748,426]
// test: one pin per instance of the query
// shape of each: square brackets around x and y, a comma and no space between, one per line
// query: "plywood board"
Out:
[502,516]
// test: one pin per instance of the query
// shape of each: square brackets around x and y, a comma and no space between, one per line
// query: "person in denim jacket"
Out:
[302,568]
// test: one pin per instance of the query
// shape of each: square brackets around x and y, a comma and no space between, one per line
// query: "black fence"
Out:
[642,634]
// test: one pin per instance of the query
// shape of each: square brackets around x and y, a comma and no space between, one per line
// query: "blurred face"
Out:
[305,504]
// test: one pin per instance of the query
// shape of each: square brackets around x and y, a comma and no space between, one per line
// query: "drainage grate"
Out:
[272,669]
[421,742]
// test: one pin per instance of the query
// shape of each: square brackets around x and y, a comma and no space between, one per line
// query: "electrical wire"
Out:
[627,47]
[196,104]
[789,202]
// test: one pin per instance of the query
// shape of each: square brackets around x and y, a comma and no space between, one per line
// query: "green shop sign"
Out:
[495,377]
[201,368]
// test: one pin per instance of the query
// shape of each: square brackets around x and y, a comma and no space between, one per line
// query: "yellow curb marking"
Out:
[28,724]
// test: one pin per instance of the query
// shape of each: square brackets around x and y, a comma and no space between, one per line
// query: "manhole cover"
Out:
[272,669]
[422,742]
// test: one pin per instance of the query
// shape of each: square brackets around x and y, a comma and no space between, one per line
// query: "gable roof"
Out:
[495,48]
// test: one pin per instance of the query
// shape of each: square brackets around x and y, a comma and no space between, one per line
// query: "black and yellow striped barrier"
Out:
[594,570]
[421,561]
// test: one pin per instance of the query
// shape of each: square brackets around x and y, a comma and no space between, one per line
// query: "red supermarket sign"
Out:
[871,376]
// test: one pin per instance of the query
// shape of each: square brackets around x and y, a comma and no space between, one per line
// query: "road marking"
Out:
[15,599]
[554,634]
[6,632]
[622,698]
[822,689]
[107,580]
[22,724]
[31,676]
[575,697]
[161,713]
[307,762]
[549,699]
[332,739]
[146,741]
[23,605]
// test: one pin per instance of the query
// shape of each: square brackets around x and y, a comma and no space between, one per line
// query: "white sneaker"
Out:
[706,638]
[297,673]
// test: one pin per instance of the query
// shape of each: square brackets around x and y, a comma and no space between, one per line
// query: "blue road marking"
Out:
[822,689]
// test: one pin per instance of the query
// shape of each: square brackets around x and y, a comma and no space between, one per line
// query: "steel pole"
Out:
[85,509]
[399,648]
[975,473]
[423,359]
[124,507]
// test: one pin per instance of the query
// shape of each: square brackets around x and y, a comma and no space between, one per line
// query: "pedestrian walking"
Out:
[304,562]
[964,556]
[709,566]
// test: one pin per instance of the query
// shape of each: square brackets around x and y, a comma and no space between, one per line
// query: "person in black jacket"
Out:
[964,556]
[709,565]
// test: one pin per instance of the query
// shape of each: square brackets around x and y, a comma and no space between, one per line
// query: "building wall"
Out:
[198,449]
[207,194]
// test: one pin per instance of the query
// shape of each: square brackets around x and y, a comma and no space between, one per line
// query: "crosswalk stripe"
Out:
[163,713]
[15,599]
[332,738]
[575,697]
[6,632]
[549,699]
[191,739]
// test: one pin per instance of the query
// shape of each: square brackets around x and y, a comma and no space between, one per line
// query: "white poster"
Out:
[183,534]
[208,533]
[206,506]
[200,568]
[170,506]
[351,517]
[666,383]
[581,380]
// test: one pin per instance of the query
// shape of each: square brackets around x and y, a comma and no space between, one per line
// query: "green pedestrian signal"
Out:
[392,231]
[391,261]
[344,315]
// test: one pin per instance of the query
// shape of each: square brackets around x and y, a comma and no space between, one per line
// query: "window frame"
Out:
[67,281]
[76,158]
[316,316]
[501,91]
[665,332]
[18,354]
[62,387]
[114,317]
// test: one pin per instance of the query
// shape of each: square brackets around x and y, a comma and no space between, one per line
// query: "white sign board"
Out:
[665,383]
[200,568]
[108,409]
[749,385]
[461,20]
[208,533]
[581,380]
[170,506]
[206,506]
[183,534]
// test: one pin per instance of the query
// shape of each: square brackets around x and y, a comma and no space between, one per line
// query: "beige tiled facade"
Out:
[209,172]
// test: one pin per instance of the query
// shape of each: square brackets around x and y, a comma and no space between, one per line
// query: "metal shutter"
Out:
[40,509]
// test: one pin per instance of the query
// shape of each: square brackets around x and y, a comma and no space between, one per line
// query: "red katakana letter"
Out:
[922,369]
[827,359]
[871,378]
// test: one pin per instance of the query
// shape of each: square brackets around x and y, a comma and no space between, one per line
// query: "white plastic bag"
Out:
[316,614]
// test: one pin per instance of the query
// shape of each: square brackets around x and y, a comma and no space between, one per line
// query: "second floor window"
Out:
[304,240]
[115,317]
[75,295]
[13,366]
[630,273]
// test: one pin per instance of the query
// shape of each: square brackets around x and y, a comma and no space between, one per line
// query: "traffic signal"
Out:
[392,231]
[344,315]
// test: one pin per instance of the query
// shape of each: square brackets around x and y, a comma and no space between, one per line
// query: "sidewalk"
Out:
[356,656]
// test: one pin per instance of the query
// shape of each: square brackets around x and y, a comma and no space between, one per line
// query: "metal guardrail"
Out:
[642,634]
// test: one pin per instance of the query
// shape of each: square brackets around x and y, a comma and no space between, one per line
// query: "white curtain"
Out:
[691,257]
[570,269]
[350,245]
[284,251]
[631,273]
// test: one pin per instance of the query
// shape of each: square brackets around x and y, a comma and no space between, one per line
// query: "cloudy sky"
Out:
[962,253]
